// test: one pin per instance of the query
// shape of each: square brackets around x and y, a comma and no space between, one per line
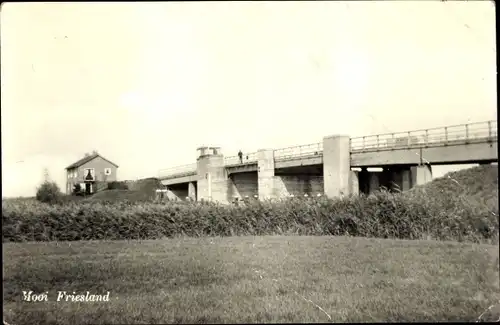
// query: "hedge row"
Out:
[411,215]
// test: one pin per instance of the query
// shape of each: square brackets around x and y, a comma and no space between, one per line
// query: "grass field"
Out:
[252,279]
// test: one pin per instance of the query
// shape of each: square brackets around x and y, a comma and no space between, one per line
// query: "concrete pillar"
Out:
[212,179]
[336,165]
[421,175]
[192,191]
[405,179]
[396,180]
[265,173]
[400,178]
[364,180]
[374,182]
[354,182]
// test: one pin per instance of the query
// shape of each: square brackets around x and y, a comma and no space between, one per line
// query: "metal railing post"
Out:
[426,137]
[446,135]
[466,133]
[408,142]
[378,144]
[363,143]
[393,142]
[489,130]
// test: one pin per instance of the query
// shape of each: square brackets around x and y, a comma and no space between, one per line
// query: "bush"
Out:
[49,192]
[117,186]
[78,190]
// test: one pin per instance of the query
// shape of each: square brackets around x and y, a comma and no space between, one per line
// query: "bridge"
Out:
[338,165]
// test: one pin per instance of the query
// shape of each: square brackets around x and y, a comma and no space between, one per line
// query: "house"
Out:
[92,172]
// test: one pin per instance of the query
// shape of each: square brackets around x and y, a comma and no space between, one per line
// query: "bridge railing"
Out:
[463,133]
[178,171]
[307,150]
[235,160]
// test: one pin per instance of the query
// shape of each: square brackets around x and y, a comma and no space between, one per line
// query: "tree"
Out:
[49,192]
[77,189]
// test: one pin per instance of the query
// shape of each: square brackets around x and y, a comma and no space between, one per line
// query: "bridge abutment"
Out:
[336,165]
[421,175]
[177,192]
[172,195]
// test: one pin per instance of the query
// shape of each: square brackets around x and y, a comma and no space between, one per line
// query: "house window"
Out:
[107,171]
[89,174]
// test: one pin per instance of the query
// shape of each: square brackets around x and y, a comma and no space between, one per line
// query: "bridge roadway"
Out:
[458,144]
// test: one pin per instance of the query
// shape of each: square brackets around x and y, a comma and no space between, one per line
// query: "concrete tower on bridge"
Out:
[212,178]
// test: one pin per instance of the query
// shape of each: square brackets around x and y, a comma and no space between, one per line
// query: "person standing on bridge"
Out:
[240,154]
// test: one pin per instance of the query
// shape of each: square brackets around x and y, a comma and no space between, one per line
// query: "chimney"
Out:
[87,154]
[94,152]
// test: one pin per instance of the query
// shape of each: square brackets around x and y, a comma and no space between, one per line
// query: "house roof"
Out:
[86,159]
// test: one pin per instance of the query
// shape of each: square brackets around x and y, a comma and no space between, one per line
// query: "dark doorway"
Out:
[87,188]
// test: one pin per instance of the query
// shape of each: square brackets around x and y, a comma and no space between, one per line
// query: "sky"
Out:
[145,84]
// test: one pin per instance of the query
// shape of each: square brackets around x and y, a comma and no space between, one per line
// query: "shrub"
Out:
[49,192]
[77,189]
[117,186]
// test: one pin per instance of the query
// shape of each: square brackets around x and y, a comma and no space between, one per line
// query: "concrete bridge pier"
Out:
[212,179]
[192,191]
[265,174]
[364,181]
[374,182]
[405,179]
[354,182]
[336,165]
[400,178]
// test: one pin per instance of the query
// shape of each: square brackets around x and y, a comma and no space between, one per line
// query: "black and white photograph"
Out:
[187,162]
